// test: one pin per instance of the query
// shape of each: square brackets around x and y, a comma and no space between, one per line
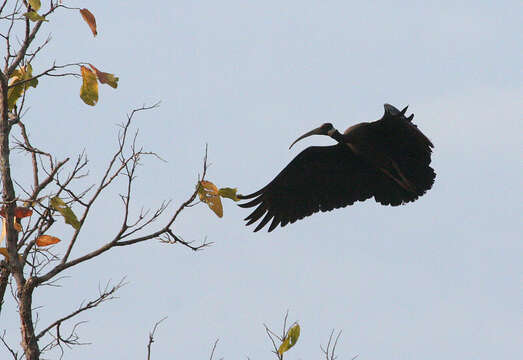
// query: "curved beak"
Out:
[317,131]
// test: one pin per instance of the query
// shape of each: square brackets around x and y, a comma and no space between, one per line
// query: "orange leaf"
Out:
[90,20]
[105,78]
[46,240]
[209,194]
[209,188]
[20,212]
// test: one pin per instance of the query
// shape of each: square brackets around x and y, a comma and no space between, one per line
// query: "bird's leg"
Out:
[407,182]
[403,182]
[383,162]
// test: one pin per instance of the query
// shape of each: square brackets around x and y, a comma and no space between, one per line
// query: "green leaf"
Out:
[23,73]
[34,17]
[13,95]
[229,193]
[35,4]
[68,214]
[290,340]
[89,89]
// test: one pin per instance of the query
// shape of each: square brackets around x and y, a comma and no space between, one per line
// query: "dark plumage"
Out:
[387,159]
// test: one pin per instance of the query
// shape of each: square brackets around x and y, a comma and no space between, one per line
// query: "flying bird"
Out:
[387,159]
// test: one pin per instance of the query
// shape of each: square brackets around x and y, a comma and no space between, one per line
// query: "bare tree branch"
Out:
[29,37]
[22,52]
[151,337]
[165,230]
[48,72]
[3,6]
[330,353]
[13,353]
[59,340]
[213,349]
[105,295]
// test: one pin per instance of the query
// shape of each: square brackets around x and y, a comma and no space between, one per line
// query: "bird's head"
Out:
[325,129]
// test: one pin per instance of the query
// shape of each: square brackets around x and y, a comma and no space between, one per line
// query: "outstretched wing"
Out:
[320,178]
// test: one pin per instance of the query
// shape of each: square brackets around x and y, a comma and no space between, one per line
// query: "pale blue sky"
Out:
[437,279]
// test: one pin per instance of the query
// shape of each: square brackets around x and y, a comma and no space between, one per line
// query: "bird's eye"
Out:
[327,126]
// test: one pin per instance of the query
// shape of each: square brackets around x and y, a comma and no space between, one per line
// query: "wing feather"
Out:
[318,179]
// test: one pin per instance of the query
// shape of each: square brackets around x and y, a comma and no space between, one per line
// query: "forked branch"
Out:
[104,295]
[123,163]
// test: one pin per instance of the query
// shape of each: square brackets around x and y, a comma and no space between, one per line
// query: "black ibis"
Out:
[387,159]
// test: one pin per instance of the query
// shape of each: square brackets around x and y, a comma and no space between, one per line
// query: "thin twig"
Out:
[151,337]
[213,349]
[105,295]
[10,349]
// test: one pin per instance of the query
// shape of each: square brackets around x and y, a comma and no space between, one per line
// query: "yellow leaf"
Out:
[29,203]
[90,20]
[34,17]
[229,193]
[290,340]
[46,240]
[23,73]
[35,4]
[3,231]
[208,193]
[216,205]
[89,89]
[16,224]
[68,214]
[13,94]
[106,78]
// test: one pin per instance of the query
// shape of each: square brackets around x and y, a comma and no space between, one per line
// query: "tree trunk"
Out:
[29,342]
[24,288]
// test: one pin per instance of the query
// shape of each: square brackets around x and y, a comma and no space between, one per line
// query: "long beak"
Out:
[316,131]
